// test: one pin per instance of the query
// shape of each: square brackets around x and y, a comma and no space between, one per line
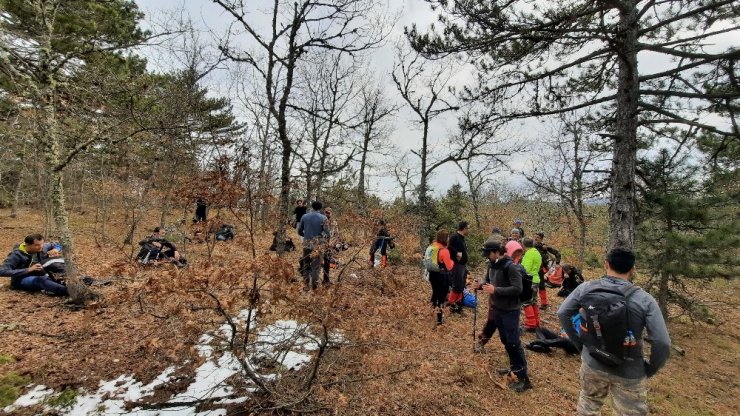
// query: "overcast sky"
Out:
[209,17]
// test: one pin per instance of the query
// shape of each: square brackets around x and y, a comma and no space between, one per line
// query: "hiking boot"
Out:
[521,385]
[544,307]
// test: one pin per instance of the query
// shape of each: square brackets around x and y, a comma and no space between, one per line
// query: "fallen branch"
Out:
[371,376]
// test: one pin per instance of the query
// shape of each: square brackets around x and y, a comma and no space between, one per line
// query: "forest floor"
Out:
[421,368]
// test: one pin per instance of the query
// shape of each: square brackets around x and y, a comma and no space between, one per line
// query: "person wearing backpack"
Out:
[532,262]
[437,263]
[614,314]
[503,282]
[459,254]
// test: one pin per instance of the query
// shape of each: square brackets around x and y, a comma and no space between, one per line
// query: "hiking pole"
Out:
[475,319]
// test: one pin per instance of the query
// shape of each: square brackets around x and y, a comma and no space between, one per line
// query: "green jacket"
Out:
[532,261]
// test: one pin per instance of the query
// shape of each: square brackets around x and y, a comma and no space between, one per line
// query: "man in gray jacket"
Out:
[625,381]
[313,228]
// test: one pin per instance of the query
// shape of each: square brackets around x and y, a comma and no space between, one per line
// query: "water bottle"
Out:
[633,340]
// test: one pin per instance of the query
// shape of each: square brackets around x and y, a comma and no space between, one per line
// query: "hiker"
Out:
[438,264]
[503,282]
[548,340]
[549,255]
[225,232]
[299,211]
[572,278]
[518,226]
[532,262]
[289,244]
[156,247]
[201,210]
[614,314]
[328,262]
[383,241]
[515,235]
[312,228]
[459,255]
[24,266]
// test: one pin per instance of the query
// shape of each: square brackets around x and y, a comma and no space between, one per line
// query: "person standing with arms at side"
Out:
[459,255]
[503,282]
[602,372]
[532,262]
[313,230]
[299,211]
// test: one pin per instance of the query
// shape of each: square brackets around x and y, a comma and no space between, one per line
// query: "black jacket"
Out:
[457,245]
[545,252]
[507,278]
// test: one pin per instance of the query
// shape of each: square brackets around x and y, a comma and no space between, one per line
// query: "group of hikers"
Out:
[603,319]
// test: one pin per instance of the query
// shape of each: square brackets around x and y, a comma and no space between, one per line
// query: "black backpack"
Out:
[527,289]
[607,333]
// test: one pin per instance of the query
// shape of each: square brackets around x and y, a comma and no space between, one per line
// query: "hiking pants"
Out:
[543,290]
[531,311]
[440,286]
[490,326]
[550,339]
[311,266]
[37,283]
[507,323]
[457,282]
[326,265]
[628,396]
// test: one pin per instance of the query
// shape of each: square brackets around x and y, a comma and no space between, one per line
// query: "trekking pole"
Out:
[475,319]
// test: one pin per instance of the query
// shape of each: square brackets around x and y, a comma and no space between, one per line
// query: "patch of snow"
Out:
[285,342]
[34,396]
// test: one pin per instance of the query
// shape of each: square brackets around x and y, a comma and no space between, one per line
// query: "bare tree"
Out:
[560,57]
[296,30]
[375,110]
[573,171]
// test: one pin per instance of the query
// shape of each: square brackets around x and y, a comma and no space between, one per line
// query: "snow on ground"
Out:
[286,342]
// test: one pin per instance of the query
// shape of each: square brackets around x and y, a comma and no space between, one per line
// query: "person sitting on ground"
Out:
[156,247]
[289,244]
[24,267]
[572,278]
[225,232]
[547,340]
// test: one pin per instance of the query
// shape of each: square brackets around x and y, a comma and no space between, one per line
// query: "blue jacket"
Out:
[19,260]
[312,225]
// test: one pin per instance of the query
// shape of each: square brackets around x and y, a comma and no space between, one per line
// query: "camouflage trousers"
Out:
[628,396]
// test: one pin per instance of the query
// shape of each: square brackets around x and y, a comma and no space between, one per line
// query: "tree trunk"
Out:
[361,200]
[663,293]
[19,183]
[622,206]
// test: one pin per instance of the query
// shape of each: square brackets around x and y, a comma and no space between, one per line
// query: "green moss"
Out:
[10,384]
[64,399]
[6,359]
